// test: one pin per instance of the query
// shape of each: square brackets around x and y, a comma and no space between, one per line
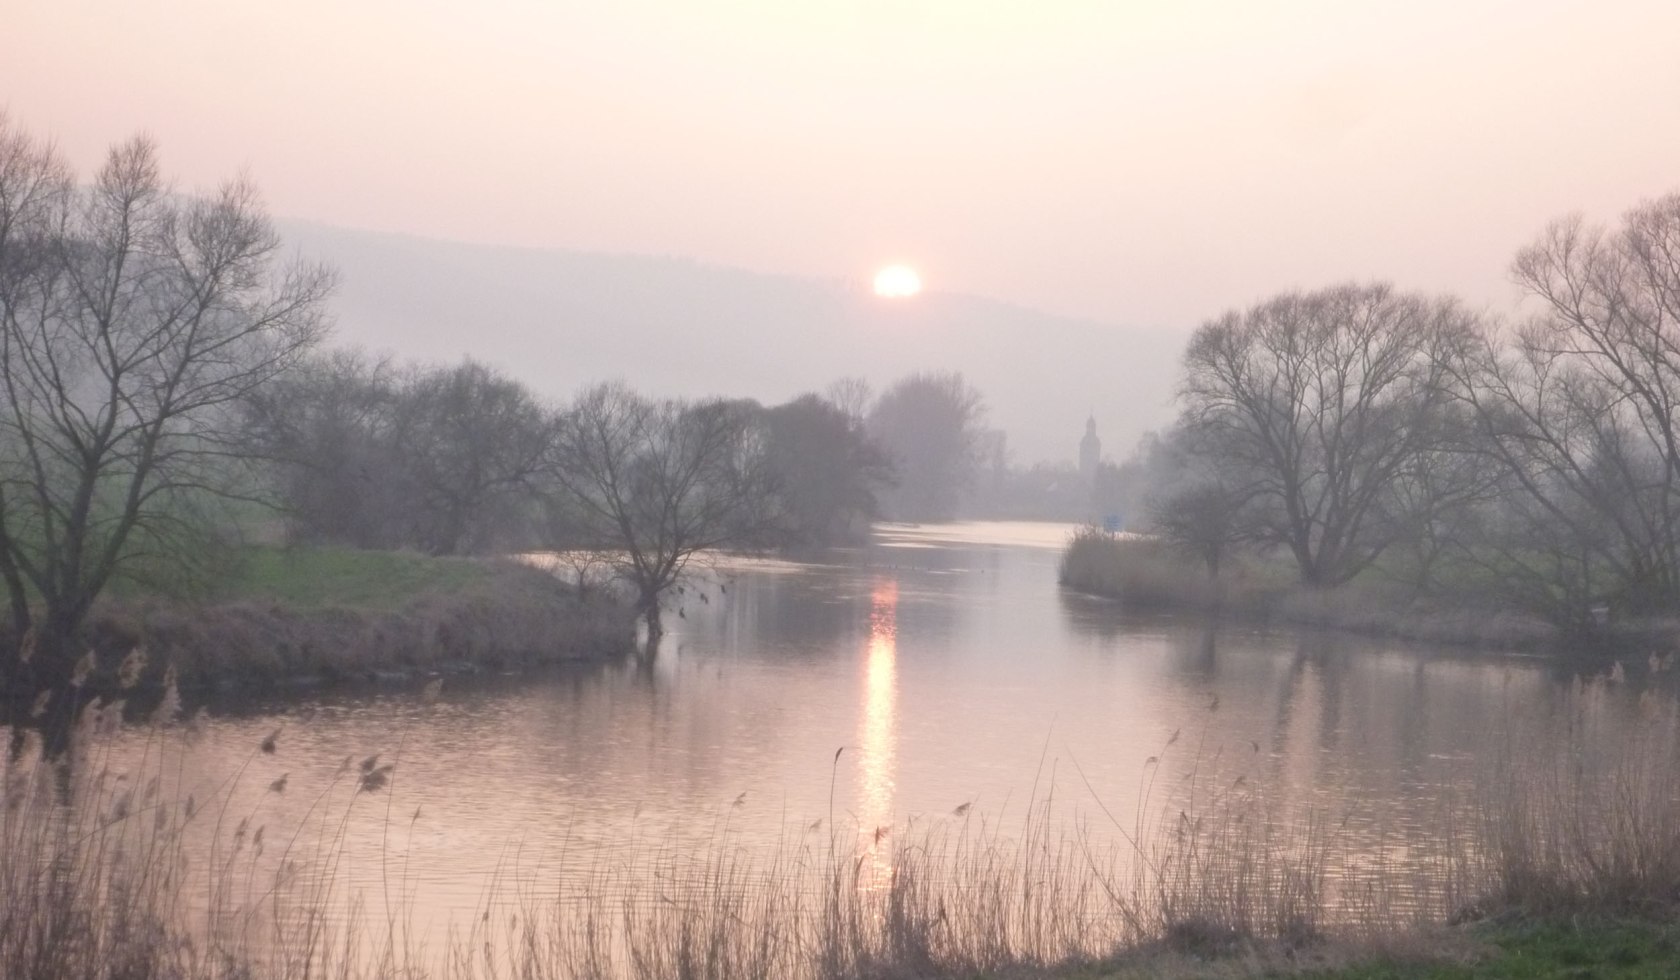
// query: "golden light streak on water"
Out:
[878,735]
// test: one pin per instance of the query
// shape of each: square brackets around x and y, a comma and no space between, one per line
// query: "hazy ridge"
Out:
[559,319]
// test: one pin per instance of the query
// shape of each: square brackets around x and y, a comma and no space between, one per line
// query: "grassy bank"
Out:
[122,866]
[1602,948]
[1515,947]
[319,615]
[1148,573]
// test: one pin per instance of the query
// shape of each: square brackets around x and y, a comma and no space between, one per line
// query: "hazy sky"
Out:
[1141,162]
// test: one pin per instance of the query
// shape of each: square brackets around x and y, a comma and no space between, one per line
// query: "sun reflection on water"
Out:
[878,736]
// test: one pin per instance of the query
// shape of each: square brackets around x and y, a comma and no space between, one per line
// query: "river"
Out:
[938,674]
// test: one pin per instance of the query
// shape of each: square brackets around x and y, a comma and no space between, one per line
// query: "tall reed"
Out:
[113,875]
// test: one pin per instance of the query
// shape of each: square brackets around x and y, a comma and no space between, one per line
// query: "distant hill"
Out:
[561,319]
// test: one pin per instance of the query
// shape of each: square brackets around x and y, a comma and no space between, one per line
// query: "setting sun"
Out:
[897,282]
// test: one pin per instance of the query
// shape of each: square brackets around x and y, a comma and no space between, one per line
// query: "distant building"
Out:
[1090,452]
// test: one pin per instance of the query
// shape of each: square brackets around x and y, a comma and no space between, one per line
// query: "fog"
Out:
[692,197]
[558,320]
[1131,163]
[967,387]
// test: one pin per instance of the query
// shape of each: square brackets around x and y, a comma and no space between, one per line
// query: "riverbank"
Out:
[308,617]
[1508,947]
[1297,812]
[1149,574]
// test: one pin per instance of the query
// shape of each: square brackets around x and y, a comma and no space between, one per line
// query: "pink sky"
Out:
[1145,163]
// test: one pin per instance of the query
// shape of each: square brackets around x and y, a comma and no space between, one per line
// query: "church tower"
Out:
[1090,451]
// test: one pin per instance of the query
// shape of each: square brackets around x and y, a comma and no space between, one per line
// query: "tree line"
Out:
[162,374]
[463,459]
[1363,429]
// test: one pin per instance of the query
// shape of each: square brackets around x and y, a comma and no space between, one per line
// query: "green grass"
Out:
[314,578]
[1521,948]
[1612,949]
[337,613]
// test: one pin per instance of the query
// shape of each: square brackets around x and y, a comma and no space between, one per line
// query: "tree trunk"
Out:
[52,669]
[52,644]
[650,614]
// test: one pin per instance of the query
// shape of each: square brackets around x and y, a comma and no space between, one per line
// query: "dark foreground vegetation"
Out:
[116,863]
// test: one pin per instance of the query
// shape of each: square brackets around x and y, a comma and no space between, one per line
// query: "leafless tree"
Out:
[826,471]
[439,459]
[1314,403]
[329,431]
[473,440]
[586,568]
[930,424]
[1207,521]
[852,396]
[660,483]
[131,321]
[1580,405]
[1436,501]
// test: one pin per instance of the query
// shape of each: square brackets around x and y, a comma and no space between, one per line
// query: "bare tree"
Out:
[852,396]
[439,459]
[473,439]
[1207,521]
[1580,406]
[826,472]
[1436,501]
[930,424]
[660,483]
[586,568]
[1314,402]
[131,321]
[329,430]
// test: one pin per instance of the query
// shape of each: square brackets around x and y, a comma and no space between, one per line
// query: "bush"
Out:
[1137,569]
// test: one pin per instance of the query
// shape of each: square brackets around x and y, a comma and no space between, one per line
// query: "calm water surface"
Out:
[942,664]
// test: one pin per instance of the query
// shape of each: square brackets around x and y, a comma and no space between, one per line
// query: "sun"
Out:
[897,282]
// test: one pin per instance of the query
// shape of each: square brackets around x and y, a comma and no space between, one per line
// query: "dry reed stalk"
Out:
[99,880]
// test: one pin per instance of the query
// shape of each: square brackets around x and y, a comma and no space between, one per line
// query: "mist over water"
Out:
[944,665]
[322,353]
